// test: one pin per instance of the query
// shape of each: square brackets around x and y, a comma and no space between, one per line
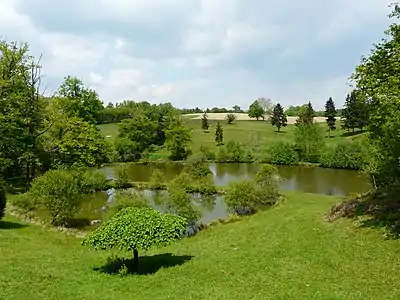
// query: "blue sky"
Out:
[201,53]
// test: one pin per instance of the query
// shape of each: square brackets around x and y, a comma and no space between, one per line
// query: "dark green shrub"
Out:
[204,185]
[282,153]
[243,197]
[92,181]
[268,180]
[2,199]
[233,152]
[58,193]
[179,203]
[126,198]
[230,118]
[346,155]
[23,201]
[197,170]
[122,177]
[157,179]
[183,180]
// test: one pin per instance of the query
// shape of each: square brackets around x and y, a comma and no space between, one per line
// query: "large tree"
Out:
[256,110]
[178,136]
[278,117]
[134,229]
[377,78]
[266,104]
[306,116]
[330,115]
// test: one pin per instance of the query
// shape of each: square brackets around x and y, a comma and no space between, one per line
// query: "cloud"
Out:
[200,52]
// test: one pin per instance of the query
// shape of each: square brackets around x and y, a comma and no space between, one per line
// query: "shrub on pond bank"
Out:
[157,180]
[179,203]
[126,198]
[346,155]
[122,176]
[268,179]
[233,152]
[92,181]
[242,197]
[282,153]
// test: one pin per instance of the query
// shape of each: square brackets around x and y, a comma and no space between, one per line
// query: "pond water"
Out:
[295,178]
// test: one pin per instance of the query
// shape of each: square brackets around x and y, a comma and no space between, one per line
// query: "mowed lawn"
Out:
[286,252]
[249,133]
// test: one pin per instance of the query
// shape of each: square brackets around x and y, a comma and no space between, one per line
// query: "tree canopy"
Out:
[256,110]
[278,117]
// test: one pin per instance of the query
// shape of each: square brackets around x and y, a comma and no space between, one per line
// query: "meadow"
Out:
[286,252]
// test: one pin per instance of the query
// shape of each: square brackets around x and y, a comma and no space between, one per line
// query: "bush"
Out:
[183,181]
[268,180]
[242,197]
[122,177]
[23,201]
[2,199]
[179,203]
[309,141]
[230,118]
[346,155]
[126,198]
[282,153]
[206,153]
[197,170]
[195,180]
[234,152]
[92,181]
[157,179]
[58,192]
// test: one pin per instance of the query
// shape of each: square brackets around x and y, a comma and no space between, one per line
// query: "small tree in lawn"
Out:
[230,118]
[219,134]
[256,110]
[204,122]
[134,229]
[278,117]
[330,114]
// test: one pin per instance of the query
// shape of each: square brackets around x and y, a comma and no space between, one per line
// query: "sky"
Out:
[202,53]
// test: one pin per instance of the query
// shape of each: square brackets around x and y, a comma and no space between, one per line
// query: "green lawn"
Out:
[287,252]
[249,133]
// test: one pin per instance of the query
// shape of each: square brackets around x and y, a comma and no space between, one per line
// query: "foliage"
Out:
[306,116]
[204,122]
[256,110]
[157,179]
[92,180]
[206,153]
[295,111]
[2,198]
[282,153]
[58,193]
[230,118]
[278,117]
[72,142]
[78,101]
[330,114]
[177,139]
[23,201]
[126,198]
[267,178]
[356,111]
[309,142]
[179,203]
[234,152]
[219,134]
[135,228]
[196,178]
[347,155]
[243,197]
[122,176]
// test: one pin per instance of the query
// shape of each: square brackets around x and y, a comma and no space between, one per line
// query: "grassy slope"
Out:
[245,132]
[288,252]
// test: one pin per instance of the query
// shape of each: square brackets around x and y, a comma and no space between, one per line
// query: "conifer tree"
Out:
[330,115]
[278,117]
[204,121]
[219,134]
[306,117]
[350,112]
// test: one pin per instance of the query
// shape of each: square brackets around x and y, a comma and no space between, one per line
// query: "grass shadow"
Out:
[148,265]
[11,225]
[347,134]
[377,208]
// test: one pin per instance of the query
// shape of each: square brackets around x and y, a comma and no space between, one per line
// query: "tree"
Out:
[330,114]
[110,105]
[309,142]
[376,77]
[266,105]
[177,140]
[78,101]
[230,118]
[204,122]
[350,112]
[306,116]
[278,117]
[134,229]
[236,109]
[219,134]
[256,110]
[2,198]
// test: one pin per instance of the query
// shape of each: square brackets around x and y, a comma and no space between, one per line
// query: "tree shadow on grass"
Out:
[350,133]
[377,208]
[11,225]
[148,265]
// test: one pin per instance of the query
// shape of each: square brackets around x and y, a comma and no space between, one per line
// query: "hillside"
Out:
[287,252]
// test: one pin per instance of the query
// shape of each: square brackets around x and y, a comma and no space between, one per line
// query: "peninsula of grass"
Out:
[286,252]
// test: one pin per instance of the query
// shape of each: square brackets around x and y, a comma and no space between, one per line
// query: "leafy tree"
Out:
[78,101]
[2,198]
[256,110]
[236,108]
[278,117]
[309,141]
[376,77]
[204,122]
[330,114]
[306,116]
[126,198]
[110,105]
[295,111]
[219,134]
[230,118]
[178,137]
[58,192]
[73,142]
[266,105]
[134,229]
[267,178]
[243,197]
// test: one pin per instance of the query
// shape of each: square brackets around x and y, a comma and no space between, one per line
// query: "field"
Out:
[287,252]
[249,133]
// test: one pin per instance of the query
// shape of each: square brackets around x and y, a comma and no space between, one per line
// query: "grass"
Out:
[287,252]
[249,133]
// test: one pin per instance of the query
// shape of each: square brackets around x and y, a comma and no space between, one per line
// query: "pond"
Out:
[295,178]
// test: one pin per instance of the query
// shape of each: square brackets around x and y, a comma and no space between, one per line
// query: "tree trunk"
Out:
[329,132]
[135,260]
